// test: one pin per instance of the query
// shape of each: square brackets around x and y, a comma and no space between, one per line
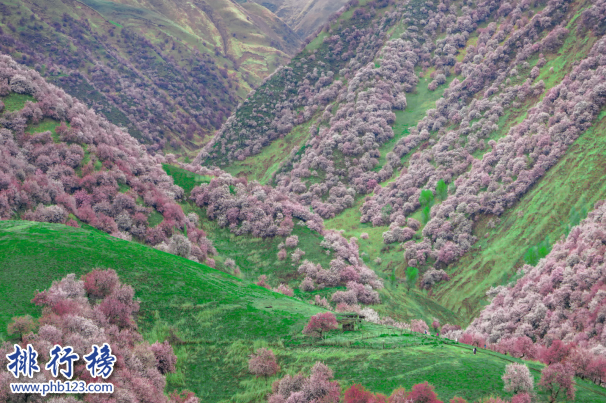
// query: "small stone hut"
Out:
[349,321]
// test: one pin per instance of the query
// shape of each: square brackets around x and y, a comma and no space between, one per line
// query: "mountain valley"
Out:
[396,201]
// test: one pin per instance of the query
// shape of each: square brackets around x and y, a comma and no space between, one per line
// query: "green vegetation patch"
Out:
[257,256]
[262,166]
[574,182]
[215,321]
[418,103]
[47,124]
[396,301]
[380,365]
[184,178]
[196,304]
[15,102]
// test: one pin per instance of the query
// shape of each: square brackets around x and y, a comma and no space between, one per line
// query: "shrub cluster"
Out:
[562,298]
[91,170]
[250,208]
[347,268]
[317,387]
[96,309]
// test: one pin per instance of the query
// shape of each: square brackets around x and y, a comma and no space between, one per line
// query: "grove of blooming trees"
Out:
[457,151]
[248,208]
[317,387]
[367,94]
[320,323]
[365,97]
[163,96]
[507,167]
[427,187]
[346,268]
[308,82]
[92,170]
[263,363]
[556,382]
[95,309]
[557,311]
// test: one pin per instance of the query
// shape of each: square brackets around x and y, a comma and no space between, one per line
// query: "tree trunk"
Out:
[554,397]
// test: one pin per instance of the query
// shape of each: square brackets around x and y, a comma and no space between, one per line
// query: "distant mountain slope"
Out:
[448,115]
[309,84]
[562,298]
[236,29]
[62,163]
[170,72]
[215,321]
[303,16]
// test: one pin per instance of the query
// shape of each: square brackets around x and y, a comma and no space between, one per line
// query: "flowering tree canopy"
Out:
[320,323]
[263,363]
[94,310]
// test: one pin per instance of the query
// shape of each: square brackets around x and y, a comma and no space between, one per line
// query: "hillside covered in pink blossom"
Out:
[410,210]
[562,298]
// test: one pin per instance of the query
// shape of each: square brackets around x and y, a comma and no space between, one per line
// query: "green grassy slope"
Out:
[262,166]
[199,305]
[256,256]
[215,321]
[575,182]
[35,254]
[15,102]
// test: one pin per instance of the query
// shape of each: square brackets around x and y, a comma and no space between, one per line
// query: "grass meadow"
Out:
[215,321]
